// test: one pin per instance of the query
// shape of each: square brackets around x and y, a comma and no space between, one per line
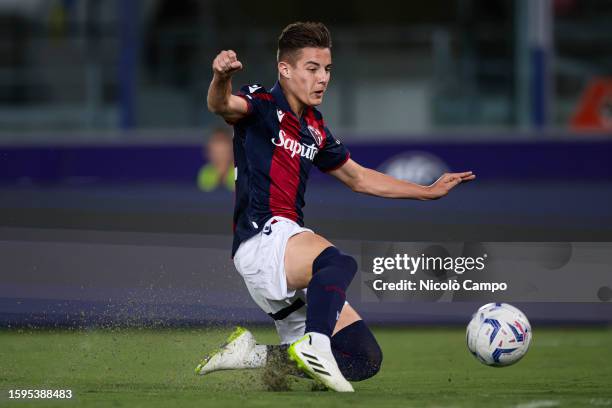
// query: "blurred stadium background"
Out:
[103,123]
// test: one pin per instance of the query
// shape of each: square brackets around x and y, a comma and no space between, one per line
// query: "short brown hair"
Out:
[300,35]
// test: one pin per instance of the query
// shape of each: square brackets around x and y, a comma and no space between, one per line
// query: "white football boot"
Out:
[238,351]
[313,355]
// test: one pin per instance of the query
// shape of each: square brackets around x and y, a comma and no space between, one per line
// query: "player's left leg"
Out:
[312,263]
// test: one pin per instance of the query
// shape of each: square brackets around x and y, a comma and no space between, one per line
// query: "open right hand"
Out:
[226,64]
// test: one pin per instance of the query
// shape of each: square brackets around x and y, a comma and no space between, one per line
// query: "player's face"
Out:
[310,74]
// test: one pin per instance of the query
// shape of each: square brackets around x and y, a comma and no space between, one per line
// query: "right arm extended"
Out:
[220,99]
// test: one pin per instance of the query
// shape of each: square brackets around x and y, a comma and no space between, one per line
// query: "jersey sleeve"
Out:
[257,99]
[333,154]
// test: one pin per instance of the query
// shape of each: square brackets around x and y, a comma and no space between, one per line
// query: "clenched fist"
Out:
[226,64]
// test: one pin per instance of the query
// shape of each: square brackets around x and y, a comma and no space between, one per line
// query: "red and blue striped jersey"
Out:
[273,153]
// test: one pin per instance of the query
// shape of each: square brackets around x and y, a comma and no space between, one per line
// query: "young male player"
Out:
[278,137]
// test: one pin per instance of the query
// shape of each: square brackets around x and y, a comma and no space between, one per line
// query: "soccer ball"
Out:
[498,334]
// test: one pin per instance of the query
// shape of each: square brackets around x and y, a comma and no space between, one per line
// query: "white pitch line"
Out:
[538,404]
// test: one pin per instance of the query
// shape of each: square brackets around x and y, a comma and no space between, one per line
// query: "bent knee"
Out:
[376,359]
[365,366]
[350,263]
[373,364]
[333,257]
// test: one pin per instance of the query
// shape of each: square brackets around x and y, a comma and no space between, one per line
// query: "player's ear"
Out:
[284,69]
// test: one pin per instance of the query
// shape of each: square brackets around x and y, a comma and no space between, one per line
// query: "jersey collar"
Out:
[281,101]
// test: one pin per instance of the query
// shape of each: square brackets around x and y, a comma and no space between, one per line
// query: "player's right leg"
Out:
[355,348]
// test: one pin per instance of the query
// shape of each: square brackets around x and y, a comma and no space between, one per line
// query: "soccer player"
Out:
[296,276]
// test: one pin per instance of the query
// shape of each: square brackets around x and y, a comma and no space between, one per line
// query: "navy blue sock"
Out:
[356,351]
[332,273]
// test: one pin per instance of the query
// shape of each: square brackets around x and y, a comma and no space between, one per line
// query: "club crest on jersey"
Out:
[295,147]
[318,137]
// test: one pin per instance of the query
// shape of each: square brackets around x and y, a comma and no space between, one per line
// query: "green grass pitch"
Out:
[423,367]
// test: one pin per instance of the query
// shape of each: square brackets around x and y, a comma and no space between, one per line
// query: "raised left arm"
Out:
[363,180]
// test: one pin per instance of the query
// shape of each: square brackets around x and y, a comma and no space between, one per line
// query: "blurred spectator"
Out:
[218,172]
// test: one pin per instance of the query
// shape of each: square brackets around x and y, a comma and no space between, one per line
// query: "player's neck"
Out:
[296,106]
